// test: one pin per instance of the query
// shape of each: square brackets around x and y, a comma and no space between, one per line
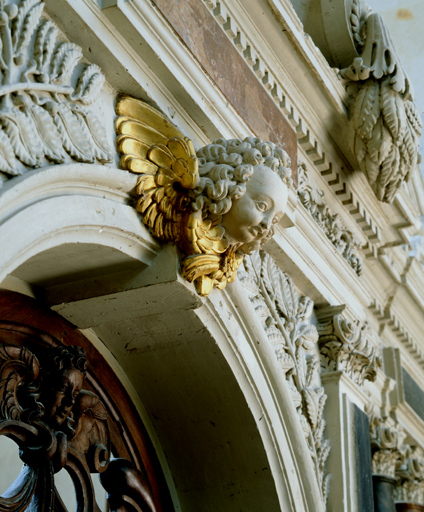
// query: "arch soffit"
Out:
[87,204]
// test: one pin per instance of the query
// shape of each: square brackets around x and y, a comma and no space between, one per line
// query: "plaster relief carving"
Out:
[331,224]
[285,317]
[45,91]
[350,347]
[410,475]
[217,205]
[385,120]
[386,445]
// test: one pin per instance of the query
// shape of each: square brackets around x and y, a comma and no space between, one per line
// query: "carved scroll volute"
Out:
[55,423]
[386,445]
[216,205]
[127,489]
[349,347]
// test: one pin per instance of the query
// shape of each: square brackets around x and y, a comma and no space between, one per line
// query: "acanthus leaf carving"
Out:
[349,347]
[285,317]
[387,445]
[331,224]
[384,117]
[44,88]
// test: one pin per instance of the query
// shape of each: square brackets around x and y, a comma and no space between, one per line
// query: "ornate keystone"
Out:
[216,206]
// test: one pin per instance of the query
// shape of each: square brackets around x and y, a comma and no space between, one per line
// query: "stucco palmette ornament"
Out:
[216,206]
[331,224]
[285,317]
[349,347]
[410,475]
[45,90]
[385,120]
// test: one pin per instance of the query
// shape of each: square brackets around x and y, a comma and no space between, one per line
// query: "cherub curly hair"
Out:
[225,167]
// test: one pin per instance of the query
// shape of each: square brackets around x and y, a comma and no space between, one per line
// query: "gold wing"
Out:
[152,147]
[167,164]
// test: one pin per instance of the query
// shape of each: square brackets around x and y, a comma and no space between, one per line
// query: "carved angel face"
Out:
[62,398]
[251,218]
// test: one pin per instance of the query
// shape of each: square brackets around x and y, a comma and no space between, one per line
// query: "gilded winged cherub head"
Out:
[64,370]
[215,206]
[243,187]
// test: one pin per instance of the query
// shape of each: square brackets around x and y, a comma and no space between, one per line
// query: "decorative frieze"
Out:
[216,205]
[385,120]
[286,319]
[332,224]
[350,347]
[46,89]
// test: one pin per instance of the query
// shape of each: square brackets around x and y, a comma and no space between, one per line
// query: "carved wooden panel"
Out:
[65,409]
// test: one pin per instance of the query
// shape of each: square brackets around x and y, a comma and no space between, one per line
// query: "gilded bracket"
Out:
[216,206]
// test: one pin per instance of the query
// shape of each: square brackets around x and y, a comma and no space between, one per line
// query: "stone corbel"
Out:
[349,347]
[385,123]
[216,205]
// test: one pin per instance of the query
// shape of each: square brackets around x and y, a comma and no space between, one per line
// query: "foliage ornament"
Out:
[331,224]
[45,93]
[216,206]
[349,347]
[410,475]
[385,120]
[387,445]
[285,317]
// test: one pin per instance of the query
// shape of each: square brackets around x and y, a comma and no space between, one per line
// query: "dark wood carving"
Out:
[50,406]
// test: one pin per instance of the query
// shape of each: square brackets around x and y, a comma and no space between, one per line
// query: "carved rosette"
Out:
[384,117]
[349,347]
[285,317]
[46,90]
[331,224]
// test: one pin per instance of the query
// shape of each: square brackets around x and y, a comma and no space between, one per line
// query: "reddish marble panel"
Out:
[197,28]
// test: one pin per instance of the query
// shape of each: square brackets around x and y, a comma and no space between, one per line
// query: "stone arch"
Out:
[209,385]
